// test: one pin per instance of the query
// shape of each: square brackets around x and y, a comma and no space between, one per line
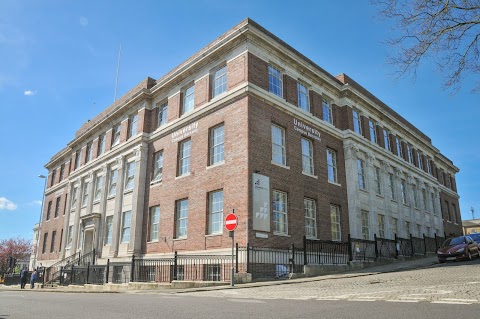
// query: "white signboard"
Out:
[305,129]
[184,132]
[261,202]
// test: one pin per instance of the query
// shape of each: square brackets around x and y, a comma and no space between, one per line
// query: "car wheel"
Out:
[469,255]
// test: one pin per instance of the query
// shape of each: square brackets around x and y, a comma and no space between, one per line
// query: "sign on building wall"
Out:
[261,202]
[184,132]
[305,129]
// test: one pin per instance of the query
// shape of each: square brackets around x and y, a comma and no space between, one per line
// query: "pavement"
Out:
[414,263]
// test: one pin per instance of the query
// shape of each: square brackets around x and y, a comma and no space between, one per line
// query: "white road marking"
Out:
[412,298]
[452,302]
[246,300]
[403,300]
[460,300]
[362,300]
[370,297]
[328,299]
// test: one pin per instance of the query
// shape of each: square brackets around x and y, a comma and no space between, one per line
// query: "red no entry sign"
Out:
[231,222]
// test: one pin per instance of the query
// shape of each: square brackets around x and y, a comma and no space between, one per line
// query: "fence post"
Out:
[79,257]
[376,245]
[61,276]
[350,252]
[43,277]
[175,263]
[397,246]
[72,275]
[305,262]
[236,258]
[248,257]
[88,274]
[292,260]
[107,273]
[425,244]
[132,271]
[411,244]
[93,261]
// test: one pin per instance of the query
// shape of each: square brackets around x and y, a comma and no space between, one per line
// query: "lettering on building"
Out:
[306,130]
[184,132]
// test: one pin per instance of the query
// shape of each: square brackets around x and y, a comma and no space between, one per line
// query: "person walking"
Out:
[23,277]
[33,278]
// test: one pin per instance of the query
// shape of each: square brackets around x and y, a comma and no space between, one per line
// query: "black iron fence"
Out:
[325,252]
[362,249]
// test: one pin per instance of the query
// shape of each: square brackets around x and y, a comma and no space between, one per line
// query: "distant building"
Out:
[247,123]
[471,226]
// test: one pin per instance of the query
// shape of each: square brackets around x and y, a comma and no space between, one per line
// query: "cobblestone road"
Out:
[451,283]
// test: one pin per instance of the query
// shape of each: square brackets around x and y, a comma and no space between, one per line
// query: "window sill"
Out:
[335,183]
[310,175]
[363,190]
[128,191]
[157,182]
[281,234]
[180,238]
[83,206]
[393,200]
[215,165]
[406,205]
[214,235]
[280,165]
[111,197]
[380,196]
[152,241]
[182,176]
[96,201]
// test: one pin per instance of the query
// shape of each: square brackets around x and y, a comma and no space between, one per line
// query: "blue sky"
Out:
[58,61]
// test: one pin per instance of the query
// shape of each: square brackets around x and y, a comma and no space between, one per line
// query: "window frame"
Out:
[307,159]
[362,183]
[327,106]
[89,152]
[132,125]
[215,224]
[184,154]
[112,182]
[335,222]
[157,173]
[85,194]
[391,184]
[377,175]
[386,139]
[188,100]
[126,227]
[357,122]
[130,169]
[181,231]
[381,225]
[372,127]
[154,223]
[116,132]
[217,147]
[282,147]
[279,200]
[108,230]
[302,97]
[101,144]
[365,223]
[219,81]
[97,194]
[162,116]
[310,215]
[272,86]
[403,191]
[332,166]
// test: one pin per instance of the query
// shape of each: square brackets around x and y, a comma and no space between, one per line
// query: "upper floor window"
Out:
[399,147]
[361,174]
[74,197]
[70,236]
[215,212]
[52,180]
[429,166]
[116,135]
[275,83]
[407,228]
[424,199]
[307,156]
[89,152]
[101,144]
[357,125]
[219,81]
[98,188]
[184,157]
[303,97]
[49,210]
[391,183]
[409,153]
[327,111]
[78,155]
[126,224]
[162,114]
[403,190]
[373,131]
[181,217]
[154,222]
[133,126]
[188,99]
[432,199]
[157,166]
[332,165]
[85,194]
[419,160]
[57,207]
[386,140]
[217,145]
[278,145]
[62,171]
[280,212]
[108,230]
[449,218]
[130,176]
[378,180]
[310,209]
[415,196]
[112,183]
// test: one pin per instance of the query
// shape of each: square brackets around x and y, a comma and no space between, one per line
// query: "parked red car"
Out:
[458,248]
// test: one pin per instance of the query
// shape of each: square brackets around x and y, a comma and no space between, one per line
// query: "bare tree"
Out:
[446,32]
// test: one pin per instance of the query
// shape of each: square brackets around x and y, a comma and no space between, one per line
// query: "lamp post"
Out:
[40,221]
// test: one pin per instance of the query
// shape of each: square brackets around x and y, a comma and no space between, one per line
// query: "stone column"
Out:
[66,220]
[103,206]
[76,224]
[117,217]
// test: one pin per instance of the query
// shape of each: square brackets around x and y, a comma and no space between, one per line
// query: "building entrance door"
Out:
[88,242]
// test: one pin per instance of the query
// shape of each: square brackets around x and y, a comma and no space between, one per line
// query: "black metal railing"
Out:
[386,248]
[362,249]
[265,263]
[325,252]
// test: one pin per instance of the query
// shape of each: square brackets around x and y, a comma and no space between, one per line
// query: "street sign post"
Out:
[230,224]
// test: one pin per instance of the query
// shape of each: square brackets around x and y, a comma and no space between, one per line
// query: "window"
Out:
[386,140]
[215,212]
[162,114]
[188,100]
[216,145]
[52,243]
[101,144]
[332,165]
[335,220]
[381,226]
[78,155]
[112,183]
[454,214]
[415,196]
[57,207]
[399,147]
[409,153]
[89,152]
[62,172]
[429,167]
[49,210]
[98,188]
[85,194]
[52,180]
[357,125]
[275,84]
[432,197]
[61,238]
[327,111]
[403,189]
[280,212]
[108,230]
[303,97]
[394,226]
[157,166]
[126,222]
[154,222]
[182,218]
[361,174]
[219,81]
[44,247]
[278,145]
[184,157]
[116,135]
[419,160]
[310,209]
[307,156]
[133,126]
[65,204]
[424,199]
[378,180]
[419,230]
[74,197]
[70,236]
[407,228]
[130,176]
[391,184]
[373,131]
[365,225]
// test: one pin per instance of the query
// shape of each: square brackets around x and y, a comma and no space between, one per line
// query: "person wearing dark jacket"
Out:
[33,278]
[23,277]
